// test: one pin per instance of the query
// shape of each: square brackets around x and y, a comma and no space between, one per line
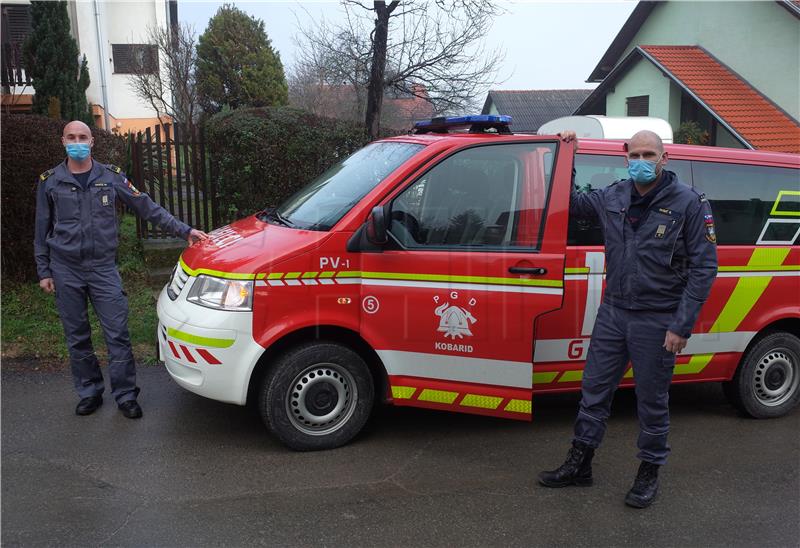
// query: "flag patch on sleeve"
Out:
[711,234]
[133,189]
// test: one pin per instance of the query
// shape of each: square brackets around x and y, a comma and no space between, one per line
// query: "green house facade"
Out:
[733,68]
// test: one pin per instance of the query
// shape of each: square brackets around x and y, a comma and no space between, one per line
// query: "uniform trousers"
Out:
[621,336]
[103,287]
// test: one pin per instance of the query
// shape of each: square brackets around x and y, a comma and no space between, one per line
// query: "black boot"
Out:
[645,486]
[576,470]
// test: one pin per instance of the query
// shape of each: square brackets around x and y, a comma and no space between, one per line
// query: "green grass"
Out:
[31,327]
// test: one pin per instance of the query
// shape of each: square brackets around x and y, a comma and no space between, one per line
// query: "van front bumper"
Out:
[209,352]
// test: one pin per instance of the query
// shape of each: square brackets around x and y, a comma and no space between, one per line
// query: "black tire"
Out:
[316,396]
[767,381]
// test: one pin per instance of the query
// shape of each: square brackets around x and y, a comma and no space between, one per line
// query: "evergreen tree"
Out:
[59,76]
[236,65]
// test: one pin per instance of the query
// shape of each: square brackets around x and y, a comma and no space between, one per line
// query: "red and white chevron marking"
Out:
[206,356]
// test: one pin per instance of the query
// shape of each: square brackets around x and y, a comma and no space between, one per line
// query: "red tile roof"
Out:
[750,115]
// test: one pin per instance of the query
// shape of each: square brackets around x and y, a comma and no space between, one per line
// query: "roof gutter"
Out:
[689,92]
[791,7]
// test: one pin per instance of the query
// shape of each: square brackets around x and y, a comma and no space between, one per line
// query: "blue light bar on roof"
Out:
[460,121]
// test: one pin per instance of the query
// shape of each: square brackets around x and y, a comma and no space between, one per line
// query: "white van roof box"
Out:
[608,127]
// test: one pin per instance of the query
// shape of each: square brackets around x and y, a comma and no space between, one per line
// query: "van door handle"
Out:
[537,270]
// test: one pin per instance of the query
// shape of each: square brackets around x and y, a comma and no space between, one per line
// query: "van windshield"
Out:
[327,198]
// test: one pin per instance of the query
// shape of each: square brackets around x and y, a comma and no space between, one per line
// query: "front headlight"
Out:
[222,294]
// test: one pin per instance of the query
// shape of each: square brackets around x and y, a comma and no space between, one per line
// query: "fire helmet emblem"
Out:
[454,321]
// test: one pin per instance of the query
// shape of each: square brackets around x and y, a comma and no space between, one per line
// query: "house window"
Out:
[638,106]
[16,26]
[135,58]
[16,23]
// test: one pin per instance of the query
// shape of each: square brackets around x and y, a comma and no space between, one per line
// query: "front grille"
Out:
[176,282]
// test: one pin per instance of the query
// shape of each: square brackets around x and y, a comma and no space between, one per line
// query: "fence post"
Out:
[138,178]
[187,166]
[176,133]
[204,174]
[170,190]
[161,200]
[195,176]
[147,181]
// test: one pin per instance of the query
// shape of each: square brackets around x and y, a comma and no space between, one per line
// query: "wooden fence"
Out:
[171,165]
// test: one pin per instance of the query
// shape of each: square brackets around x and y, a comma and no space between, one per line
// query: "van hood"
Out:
[249,246]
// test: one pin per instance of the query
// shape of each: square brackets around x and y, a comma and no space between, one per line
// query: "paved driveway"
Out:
[197,472]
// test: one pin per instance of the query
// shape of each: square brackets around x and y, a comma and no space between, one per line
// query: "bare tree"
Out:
[167,82]
[431,50]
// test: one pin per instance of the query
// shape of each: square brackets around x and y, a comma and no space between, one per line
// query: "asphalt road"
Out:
[195,472]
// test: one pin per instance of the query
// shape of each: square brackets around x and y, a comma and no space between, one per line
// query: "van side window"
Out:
[491,196]
[596,171]
[751,204]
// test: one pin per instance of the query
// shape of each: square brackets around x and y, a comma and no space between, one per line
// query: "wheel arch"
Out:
[789,324]
[331,333]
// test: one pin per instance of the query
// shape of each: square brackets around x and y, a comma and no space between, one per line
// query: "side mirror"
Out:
[376,226]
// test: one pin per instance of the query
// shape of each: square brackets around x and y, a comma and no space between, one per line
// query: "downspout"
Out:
[103,87]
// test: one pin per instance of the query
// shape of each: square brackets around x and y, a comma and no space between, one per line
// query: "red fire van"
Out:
[440,269]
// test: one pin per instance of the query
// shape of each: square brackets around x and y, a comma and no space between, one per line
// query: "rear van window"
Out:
[751,204]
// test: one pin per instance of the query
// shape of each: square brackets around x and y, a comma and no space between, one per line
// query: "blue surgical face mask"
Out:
[78,151]
[642,171]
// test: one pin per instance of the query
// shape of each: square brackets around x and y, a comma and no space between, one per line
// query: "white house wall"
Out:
[120,23]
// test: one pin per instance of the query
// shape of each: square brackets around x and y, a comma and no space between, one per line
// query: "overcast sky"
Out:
[548,45]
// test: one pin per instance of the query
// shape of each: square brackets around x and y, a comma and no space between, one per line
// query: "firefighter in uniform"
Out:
[75,248]
[661,254]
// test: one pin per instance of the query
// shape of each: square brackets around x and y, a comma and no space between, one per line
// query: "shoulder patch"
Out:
[44,176]
[112,167]
[711,234]
[133,189]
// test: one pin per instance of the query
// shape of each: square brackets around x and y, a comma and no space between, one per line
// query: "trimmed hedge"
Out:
[263,155]
[31,145]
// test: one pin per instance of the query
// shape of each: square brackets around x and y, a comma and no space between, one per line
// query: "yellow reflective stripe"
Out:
[769,256]
[275,275]
[484,402]
[577,270]
[403,392]
[748,290]
[544,377]
[309,274]
[198,340]
[696,364]
[348,274]
[260,276]
[784,213]
[215,273]
[462,279]
[327,274]
[292,275]
[437,396]
[518,406]
[571,376]
[765,268]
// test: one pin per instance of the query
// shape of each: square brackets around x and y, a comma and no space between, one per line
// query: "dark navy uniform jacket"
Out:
[78,227]
[669,262]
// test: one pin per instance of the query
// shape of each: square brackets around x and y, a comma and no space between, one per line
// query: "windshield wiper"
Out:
[274,215]
[283,220]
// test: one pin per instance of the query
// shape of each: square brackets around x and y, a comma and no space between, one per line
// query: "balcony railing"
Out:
[12,73]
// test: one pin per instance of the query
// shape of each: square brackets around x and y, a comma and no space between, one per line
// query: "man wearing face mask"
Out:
[661,261]
[75,247]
